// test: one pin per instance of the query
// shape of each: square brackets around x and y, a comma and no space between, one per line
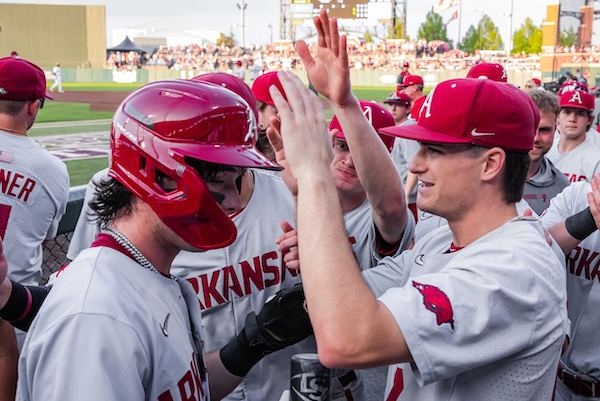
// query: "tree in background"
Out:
[568,37]
[483,37]
[433,28]
[528,38]
[368,37]
[224,40]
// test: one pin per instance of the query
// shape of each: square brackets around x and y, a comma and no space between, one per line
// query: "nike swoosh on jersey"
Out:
[164,325]
[475,133]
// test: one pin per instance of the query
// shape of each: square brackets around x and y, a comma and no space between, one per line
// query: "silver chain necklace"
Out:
[134,252]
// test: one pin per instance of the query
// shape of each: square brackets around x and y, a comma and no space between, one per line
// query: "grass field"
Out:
[61,111]
[99,86]
[80,171]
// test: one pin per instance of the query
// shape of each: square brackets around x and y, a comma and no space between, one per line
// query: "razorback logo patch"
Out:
[436,301]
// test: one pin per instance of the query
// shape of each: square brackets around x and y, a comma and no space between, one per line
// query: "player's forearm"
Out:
[221,381]
[337,297]
[375,170]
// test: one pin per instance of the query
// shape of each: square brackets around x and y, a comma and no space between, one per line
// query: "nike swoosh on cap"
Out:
[475,133]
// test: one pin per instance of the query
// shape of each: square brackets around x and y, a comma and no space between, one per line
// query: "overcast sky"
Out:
[223,15]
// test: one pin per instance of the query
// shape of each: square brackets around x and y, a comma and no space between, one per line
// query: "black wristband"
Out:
[238,357]
[17,304]
[581,225]
[23,305]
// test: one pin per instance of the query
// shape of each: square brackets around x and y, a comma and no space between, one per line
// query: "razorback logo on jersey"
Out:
[436,301]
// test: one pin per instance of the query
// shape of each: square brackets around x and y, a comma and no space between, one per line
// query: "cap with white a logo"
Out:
[577,99]
[480,112]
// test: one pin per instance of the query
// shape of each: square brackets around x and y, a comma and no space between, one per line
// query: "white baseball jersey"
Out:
[402,153]
[361,234]
[581,163]
[113,330]
[429,222]
[87,229]
[483,323]
[234,281]
[583,284]
[34,189]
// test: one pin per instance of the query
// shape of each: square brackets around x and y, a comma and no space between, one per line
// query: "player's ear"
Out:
[493,162]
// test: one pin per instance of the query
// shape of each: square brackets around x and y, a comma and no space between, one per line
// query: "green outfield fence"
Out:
[55,250]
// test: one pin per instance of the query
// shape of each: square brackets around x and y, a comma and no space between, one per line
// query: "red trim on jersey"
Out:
[383,247]
[28,307]
[109,242]
[454,248]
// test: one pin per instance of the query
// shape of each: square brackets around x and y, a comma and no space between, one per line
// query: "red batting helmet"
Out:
[378,117]
[159,128]
[232,83]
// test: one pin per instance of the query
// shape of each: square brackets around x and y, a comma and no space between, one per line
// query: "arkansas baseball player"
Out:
[426,317]
[157,324]
[579,370]
[238,279]
[573,152]
[34,185]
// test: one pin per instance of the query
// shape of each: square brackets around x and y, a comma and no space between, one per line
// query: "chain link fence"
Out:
[55,250]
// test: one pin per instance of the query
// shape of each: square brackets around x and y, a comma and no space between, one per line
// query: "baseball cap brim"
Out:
[422,134]
[574,106]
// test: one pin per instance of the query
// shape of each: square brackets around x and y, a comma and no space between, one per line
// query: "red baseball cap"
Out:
[416,107]
[21,80]
[577,99]
[232,83]
[537,81]
[476,111]
[411,80]
[493,71]
[571,85]
[378,117]
[398,97]
[261,86]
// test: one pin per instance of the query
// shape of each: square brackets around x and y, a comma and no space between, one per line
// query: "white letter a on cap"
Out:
[427,104]
[576,97]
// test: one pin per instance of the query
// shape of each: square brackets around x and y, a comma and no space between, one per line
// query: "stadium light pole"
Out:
[242,7]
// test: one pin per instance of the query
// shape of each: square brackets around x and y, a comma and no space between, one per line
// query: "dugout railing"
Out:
[55,250]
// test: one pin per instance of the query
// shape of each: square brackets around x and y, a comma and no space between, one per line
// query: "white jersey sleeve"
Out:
[87,229]
[34,189]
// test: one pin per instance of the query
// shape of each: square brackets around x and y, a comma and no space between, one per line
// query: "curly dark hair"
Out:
[112,200]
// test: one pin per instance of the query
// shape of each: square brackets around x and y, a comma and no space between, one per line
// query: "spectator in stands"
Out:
[35,184]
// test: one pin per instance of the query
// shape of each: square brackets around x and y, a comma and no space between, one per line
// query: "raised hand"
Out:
[303,130]
[274,136]
[328,70]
